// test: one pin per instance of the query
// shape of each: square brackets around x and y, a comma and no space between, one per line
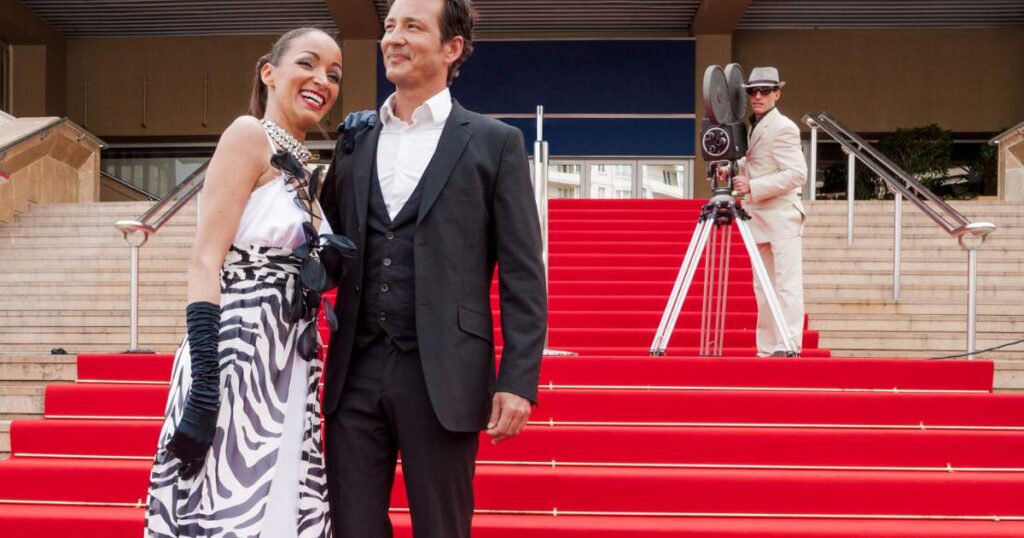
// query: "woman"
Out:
[240,452]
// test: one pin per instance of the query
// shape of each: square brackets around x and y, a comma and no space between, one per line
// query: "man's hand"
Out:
[741,184]
[508,416]
[355,123]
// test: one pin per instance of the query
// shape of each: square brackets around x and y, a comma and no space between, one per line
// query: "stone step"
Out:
[185,217]
[820,306]
[149,301]
[77,230]
[111,240]
[956,324]
[5,439]
[36,369]
[117,345]
[18,401]
[91,208]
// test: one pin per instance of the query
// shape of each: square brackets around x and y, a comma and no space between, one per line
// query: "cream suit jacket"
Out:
[777,170]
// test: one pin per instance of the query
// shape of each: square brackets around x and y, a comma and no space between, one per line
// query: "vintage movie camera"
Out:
[723,134]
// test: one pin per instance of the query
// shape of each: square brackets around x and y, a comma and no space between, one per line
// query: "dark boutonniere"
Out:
[314,280]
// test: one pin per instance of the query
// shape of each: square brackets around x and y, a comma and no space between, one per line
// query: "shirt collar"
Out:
[434,111]
[753,118]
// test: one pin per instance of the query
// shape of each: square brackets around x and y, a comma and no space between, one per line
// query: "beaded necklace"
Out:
[286,141]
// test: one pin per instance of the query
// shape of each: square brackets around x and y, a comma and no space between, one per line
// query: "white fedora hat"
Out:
[764,76]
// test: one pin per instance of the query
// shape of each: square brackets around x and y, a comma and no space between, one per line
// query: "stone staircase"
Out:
[64,282]
[848,290]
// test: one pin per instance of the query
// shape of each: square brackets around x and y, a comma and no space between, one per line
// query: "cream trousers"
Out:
[783,260]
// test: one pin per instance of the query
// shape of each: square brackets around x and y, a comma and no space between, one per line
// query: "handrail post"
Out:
[812,171]
[972,300]
[897,244]
[127,229]
[851,173]
[540,192]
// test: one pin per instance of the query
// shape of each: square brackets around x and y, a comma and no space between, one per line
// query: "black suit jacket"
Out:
[477,210]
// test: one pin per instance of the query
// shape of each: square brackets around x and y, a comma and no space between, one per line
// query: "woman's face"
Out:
[305,83]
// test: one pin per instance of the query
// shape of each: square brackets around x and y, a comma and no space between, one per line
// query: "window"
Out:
[671,177]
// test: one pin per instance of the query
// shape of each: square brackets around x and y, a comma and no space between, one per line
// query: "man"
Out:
[775,170]
[434,196]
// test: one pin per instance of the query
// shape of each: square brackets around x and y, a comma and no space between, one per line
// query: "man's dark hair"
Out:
[457,19]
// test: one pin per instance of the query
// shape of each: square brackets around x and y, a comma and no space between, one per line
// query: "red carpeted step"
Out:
[598,526]
[837,373]
[605,489]
[132,438]
[89,400]
[679,351]
[742,491]
[760,446]
[638,223]
[650,236]
[637,248]
[649,274]
[131,367]
[704,406]
[647,260]
[617,445]
[638,320]
[645,303]
[640,337]
[785,407]
[638,204]
[48,521]
[636,287]
[74,480]
[42,521]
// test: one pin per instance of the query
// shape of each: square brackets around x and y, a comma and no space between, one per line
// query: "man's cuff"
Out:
[530,395]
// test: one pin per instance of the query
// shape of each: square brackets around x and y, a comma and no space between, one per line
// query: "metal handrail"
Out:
[128,185]
[148,224]
[902,183]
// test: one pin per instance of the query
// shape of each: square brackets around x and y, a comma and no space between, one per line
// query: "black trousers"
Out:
[384,410]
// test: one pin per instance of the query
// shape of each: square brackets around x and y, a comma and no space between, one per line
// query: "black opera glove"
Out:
[354,124]
[194,434]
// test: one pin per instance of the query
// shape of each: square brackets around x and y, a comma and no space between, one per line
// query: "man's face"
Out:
[414,56]
[763,98]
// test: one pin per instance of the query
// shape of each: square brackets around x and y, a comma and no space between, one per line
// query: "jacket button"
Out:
[385,287]
[389,235]
[387,262]
[356,287]
[383,316]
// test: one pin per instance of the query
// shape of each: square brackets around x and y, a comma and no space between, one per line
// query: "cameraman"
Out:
[771,177]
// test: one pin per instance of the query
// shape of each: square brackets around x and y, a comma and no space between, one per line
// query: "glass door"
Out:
[669,179]
[618,178]
[610,179]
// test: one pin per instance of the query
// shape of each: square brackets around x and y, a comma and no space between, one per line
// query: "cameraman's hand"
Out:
[741,184]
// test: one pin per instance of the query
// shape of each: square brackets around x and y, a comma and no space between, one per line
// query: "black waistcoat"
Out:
[389,284]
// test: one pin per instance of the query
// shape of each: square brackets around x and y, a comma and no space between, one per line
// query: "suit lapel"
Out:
[762,126]
[454,137]
[363,163]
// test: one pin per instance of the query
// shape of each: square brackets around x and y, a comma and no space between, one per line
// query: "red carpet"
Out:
[622,445]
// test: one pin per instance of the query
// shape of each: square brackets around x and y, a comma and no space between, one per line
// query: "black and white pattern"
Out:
[258,352]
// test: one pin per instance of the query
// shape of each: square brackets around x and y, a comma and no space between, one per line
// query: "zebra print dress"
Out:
[235,494]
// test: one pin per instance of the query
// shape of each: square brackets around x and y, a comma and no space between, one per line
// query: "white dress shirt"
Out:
[404,150]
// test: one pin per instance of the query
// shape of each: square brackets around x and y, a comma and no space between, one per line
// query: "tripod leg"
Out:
[707,303]
[681,287]
[761,274]
[723,289]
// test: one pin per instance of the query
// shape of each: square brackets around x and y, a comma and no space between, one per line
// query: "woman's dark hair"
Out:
[258,100]
[457,19]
